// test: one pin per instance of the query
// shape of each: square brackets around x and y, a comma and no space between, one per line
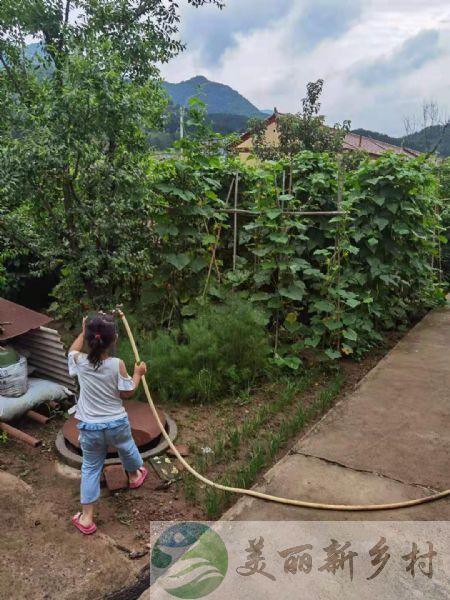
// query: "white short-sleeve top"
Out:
[99,400]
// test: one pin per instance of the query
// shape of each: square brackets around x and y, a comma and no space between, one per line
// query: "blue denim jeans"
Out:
[94,445]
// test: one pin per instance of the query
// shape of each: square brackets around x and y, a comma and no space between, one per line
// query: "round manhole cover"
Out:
[143,424]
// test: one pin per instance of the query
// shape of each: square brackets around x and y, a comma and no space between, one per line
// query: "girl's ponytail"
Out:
[100,335]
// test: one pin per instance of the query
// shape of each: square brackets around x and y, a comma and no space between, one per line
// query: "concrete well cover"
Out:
[143,424]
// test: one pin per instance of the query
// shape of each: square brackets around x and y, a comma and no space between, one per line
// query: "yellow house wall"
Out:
[245,148]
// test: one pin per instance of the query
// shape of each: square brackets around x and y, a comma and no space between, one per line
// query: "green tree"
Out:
[305,130]
[74,193]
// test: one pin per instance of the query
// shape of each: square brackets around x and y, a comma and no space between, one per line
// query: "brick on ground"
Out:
[116,478]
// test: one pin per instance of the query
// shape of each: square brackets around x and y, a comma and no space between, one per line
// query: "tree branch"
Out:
[13,236]
[11,75]
[67,12]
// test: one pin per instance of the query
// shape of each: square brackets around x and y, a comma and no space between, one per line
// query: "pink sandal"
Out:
[135,484]
[89,530]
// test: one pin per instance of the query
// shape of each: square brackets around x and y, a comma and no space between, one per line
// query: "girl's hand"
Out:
[83,326]
[140,369]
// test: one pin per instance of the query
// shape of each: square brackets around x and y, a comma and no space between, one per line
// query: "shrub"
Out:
[224,348]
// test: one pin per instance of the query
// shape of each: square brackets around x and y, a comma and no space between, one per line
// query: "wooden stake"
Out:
[301,213]
[236,190]
[283,188]
[214,250]
[340,194]
[277,331]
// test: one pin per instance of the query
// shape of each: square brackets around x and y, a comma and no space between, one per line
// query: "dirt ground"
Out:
[45,487]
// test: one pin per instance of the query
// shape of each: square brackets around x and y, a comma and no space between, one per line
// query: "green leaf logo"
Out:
[199,570]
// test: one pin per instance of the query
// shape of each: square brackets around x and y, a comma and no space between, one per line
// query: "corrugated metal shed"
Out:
[47,355]
[24,329]
[17,319]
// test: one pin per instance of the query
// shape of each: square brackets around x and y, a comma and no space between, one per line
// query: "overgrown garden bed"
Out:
[246,432]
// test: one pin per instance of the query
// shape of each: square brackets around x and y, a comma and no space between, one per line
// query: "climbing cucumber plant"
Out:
[330,283]
[327,283]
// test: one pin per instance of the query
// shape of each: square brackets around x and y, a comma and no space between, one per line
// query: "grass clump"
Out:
[223,349]
[262,450]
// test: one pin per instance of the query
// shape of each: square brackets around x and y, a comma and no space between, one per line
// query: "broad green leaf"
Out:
[261,278]
[199,263]
[312,342]
[293,292]
[275,303]
[179,261]
[349,319]
[352,249]
[313,273]
[251,226]
[333,324]
[188,311]
[352,302]
[208,239]
[380,200]
[393,207]
[292,327]
[166,229]
[298,264]
[261,251]
[350,334]
[273,213]
[268,265]
[291,362]
[260,297]
[332,354]
[279,238]
[324,306]
[381,222]
[217,292]
[239,276]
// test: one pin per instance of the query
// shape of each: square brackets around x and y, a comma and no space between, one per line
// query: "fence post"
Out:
[284,188]
[340,195]
[213,261]
[236,190]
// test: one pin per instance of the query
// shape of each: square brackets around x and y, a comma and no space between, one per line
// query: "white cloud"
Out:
[252,50]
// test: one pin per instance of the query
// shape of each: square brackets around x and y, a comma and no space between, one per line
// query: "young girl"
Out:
[104,383]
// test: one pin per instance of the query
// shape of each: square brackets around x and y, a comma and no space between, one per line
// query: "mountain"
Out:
[32,50]
[226,123]
[423,141]
[220,98]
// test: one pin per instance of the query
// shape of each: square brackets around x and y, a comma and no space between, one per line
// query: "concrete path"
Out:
[388,441]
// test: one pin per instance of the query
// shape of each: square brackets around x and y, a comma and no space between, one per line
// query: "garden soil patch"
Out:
[123,517]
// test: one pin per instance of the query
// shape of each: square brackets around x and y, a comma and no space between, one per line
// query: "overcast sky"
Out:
[380,59]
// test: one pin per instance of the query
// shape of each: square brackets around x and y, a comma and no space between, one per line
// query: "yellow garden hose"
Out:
[254,493]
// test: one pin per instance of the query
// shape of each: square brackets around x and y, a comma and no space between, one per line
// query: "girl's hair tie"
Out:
[98,336]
